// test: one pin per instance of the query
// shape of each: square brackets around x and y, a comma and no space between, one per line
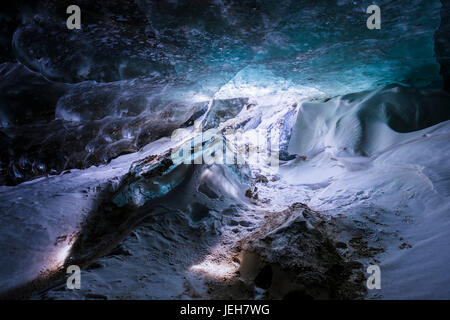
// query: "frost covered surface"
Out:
[363,133]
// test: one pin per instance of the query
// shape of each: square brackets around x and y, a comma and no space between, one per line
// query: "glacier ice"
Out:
[88,121]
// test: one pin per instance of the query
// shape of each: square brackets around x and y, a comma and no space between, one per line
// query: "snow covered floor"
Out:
[401,195]
[40,219]
[400,188]
[367,157]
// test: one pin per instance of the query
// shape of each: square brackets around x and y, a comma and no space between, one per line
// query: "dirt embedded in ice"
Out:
[291,255]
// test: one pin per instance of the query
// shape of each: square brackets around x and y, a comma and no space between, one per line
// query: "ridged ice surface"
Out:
[322,44]
[159,60]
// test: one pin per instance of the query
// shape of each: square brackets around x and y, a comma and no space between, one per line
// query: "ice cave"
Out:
[221,149]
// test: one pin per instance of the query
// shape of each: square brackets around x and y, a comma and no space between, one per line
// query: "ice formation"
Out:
[90,120]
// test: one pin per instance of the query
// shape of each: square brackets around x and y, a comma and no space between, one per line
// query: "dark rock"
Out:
[405,245]
[296,248]
[259,178]
[94,265]
[341,245]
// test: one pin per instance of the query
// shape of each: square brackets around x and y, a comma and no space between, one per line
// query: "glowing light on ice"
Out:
[217,264]
[260,84]
[199,97]
[62,255]
[59,256]
[214,269]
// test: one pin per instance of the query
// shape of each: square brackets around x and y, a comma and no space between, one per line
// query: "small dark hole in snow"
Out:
[264,278]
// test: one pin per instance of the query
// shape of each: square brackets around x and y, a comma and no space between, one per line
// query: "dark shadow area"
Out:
[442,43]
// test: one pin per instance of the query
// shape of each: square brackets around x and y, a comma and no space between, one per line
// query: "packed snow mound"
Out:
[366,123]
[380,158]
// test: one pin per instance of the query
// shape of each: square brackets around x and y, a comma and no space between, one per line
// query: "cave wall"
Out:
[442,43]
